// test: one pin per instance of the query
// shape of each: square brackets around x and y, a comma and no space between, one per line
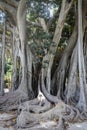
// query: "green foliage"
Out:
[46,62]
[8,71]
[41,8]
[8,66]
[68,26]
[39,40]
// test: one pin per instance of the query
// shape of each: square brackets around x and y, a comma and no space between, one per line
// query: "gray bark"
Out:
[60,76]
[21,16]
[57,35]
[81,67]
[72,80]
[3,61]
[15,51]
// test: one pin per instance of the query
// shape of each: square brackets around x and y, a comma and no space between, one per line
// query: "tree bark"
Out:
[3,61]
[21,16]
[46,72]
[72,80]
[15,53]
[60,76]
[81,67]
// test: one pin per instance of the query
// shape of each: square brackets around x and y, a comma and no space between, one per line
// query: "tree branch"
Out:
[63,13]
[52,19]
[43,24]
[12,3]
[9,9]
[57,35]
[33,23]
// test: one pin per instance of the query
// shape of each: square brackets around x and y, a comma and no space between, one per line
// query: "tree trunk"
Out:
[72,80]
[0,61]
[81,67]
[3,61]
[60,77]
[21,17]
[85,52]
[29,72]
[15,54]
[48,59]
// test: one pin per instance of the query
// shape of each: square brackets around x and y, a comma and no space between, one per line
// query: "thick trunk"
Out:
[60,76]
[48,59]
[29,65]
[85,50]
[15,53]
[72,80]
[21,17]
[3,61]
[61,71]
[0,62]
[29,72]
[81,67]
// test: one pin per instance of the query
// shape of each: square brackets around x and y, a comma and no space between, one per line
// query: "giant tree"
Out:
[67,81]
[17,13]
[70,77]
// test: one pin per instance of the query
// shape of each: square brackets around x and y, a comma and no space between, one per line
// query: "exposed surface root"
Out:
[7,119]
[11,100]
[35,106]
[27,117]
[83,116]
[32,114]
[61,124]
[70,114]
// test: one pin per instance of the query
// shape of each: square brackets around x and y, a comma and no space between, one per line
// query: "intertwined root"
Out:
[12,100]
[32,113]
[35,111]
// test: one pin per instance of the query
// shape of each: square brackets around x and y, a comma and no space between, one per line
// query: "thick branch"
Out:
[49,23]
[21,8]
[33,23]
[12,3]
[43,24]
[57,35]
[63,13]
[21,19]
[9,9]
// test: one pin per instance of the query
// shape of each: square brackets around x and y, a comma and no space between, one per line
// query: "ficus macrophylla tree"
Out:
[17,14]
[35,47]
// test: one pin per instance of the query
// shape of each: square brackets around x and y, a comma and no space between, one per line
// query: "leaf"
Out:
[46,61]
